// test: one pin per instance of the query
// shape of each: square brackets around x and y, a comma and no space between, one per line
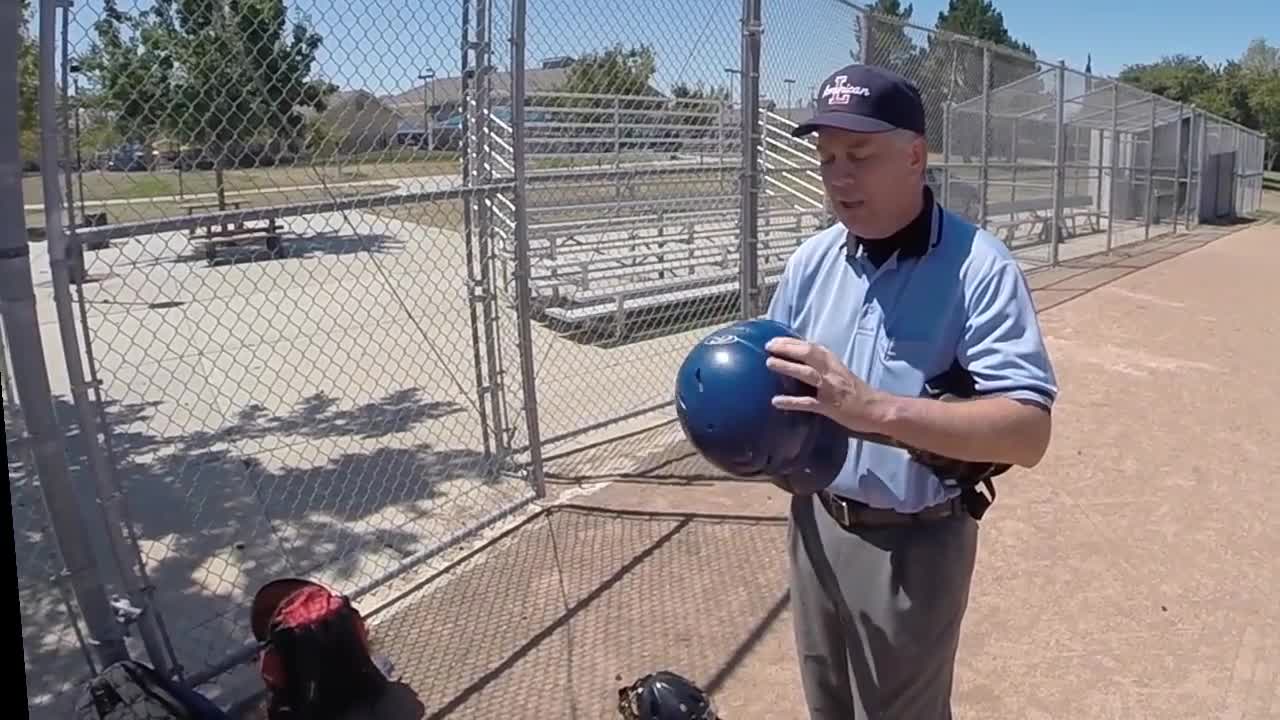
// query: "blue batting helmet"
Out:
[724,394]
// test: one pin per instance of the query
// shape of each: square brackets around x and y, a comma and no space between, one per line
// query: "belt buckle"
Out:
[840,509]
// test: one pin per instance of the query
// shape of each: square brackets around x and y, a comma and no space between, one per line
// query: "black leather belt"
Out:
[851,514]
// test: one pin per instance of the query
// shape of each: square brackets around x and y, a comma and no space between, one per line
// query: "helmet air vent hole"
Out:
[697,375]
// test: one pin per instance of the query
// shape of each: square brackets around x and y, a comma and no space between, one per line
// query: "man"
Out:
[898,292]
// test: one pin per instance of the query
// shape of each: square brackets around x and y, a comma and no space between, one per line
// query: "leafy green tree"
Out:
[1264,101]
[1246,91]
[28,90]
[888,43]
[614,71]
[221,74]
[1261,57]
[1181,78]
[1260,68]
[694,106]
[979,19]
[598,79]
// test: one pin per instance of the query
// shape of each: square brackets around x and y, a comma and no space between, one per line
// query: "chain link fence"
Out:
[332,286]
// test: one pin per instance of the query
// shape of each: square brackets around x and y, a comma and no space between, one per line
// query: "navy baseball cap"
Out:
[866,98]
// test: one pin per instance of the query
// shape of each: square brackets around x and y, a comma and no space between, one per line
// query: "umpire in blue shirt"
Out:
[900,291]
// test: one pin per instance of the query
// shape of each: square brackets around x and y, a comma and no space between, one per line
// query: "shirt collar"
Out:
[912,241]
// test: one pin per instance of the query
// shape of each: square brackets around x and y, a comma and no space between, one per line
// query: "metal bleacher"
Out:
[647,238]
[648,245]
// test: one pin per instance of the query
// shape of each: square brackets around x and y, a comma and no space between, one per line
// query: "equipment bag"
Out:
[130,690]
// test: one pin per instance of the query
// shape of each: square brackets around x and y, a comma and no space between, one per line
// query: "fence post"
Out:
[1202,154]
[1151,156]
[1177,168]
[984,171]
[67,157]
[864,46]
[1115,163]
[617,140]
[749,281]
[523,312]
[1193,150]
[22,329]
[1059,162]
[469,202]
[946,152]
[111,499]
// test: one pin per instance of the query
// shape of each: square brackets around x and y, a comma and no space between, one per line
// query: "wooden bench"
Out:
[211,235]
[1037,224]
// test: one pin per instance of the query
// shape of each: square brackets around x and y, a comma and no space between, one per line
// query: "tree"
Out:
[28,90]
[1246,91]
[1261,57]
[887,42]
[955,71]
[1264,96]
[614,71]
[1181,78]
[221,74]
[696,105]
[1260,70]
[979,19]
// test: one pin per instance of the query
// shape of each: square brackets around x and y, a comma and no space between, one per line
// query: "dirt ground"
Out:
[1130,575]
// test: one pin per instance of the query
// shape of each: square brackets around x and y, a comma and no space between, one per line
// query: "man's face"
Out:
[870,178]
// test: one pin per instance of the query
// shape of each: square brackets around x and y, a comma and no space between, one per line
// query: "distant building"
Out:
[357,121]
[441,98]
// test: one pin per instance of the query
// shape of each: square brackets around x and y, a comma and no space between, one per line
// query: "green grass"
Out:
[170,183]
[161,207]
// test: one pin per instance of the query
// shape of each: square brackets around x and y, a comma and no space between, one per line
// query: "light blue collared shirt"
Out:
[961,300]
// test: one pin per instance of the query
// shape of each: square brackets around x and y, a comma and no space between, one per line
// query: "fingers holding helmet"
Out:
[838,393]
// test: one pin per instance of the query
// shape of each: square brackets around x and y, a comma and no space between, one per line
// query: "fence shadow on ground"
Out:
[674,462]
[1054,286]
[294,245]
[219,512]
[552,616]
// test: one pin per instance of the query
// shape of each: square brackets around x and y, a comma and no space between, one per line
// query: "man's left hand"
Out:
[841,395]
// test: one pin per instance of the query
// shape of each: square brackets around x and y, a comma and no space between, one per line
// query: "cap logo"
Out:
[840,91]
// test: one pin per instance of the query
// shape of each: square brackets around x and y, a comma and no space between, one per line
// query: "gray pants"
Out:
[877,613]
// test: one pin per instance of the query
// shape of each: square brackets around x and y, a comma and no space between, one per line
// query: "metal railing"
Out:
[349,353]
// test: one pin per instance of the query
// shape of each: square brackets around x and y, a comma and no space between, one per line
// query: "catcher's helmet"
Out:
[664,695]
[724,395]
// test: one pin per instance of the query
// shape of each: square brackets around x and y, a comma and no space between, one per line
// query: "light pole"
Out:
[428,107]
[74,69]
[732,72]
[788,82]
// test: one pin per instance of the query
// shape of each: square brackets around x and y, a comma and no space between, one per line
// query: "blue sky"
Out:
[383,46]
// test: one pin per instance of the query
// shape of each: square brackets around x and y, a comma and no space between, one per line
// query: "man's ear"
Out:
[919,153]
